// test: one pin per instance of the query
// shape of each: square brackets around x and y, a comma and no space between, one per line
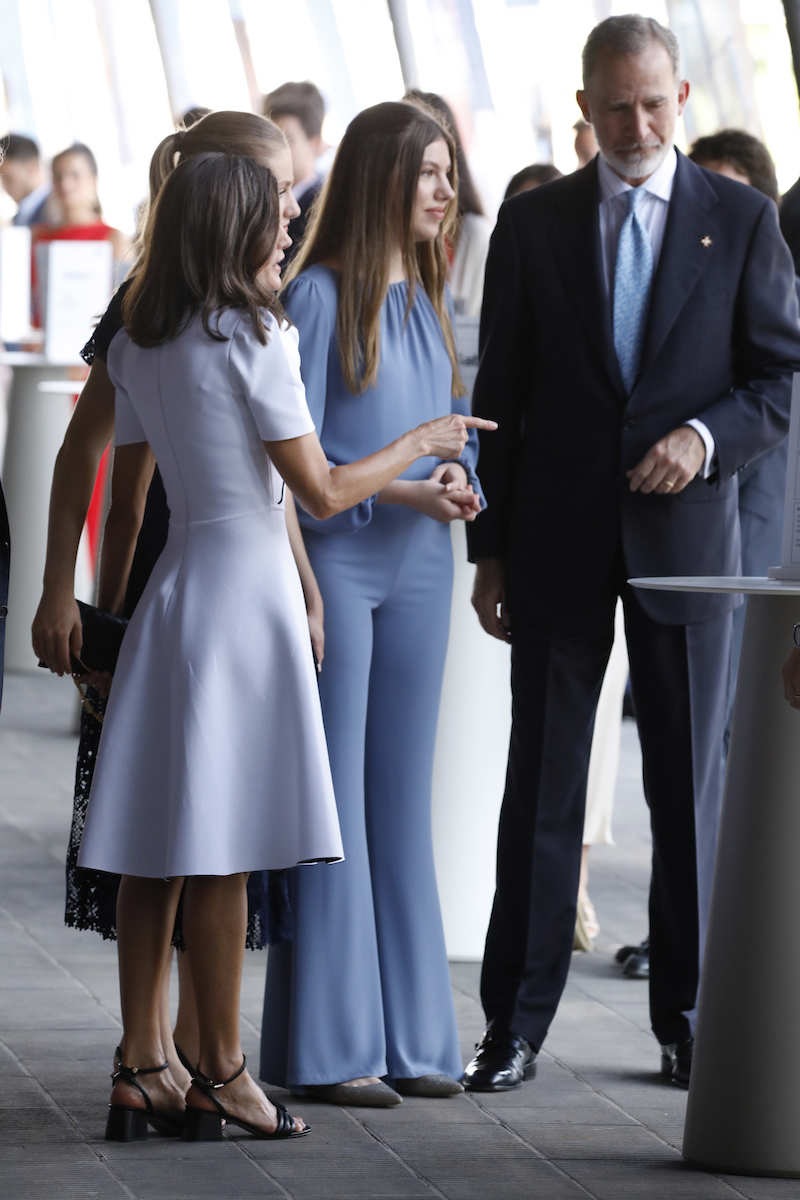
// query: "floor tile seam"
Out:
[37,839]
[585,1161]
[641,1124]
[65,1113]
[54,962]
[258,1164]
[412,1171]
[576,1075]
[495,1119]
[579,987]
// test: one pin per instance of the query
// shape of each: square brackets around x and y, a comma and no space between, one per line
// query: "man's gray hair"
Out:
[630,34]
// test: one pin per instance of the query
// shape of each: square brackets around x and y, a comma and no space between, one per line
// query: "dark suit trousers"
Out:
[679,682]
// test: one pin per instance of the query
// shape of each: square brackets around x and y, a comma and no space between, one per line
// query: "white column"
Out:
[469,767]
[36,425]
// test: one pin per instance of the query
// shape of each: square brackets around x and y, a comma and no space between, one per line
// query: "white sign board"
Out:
[15,283]
[75,285]
[790,546]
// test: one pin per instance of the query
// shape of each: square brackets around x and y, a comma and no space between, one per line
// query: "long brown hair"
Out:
[215,223]
[366,208]
[222,132]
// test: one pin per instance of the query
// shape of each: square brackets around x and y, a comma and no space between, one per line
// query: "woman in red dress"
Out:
[74,173]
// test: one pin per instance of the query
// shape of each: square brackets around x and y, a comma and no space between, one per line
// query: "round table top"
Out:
[749,585]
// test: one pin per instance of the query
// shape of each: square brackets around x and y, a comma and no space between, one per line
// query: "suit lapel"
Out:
[685,254]
[576,245]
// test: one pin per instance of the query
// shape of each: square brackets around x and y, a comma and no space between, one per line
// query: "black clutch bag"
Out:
[102,638]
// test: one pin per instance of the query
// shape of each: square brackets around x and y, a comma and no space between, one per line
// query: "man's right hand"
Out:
[488,598]
[57,632]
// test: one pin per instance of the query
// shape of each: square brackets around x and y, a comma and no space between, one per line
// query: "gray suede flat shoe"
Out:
[435,1087]
[356,1095]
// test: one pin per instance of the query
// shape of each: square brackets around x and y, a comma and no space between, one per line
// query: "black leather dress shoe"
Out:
[676,1062]
[503,1060]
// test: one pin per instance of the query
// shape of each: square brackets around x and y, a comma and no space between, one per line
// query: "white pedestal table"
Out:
[39,410]
[743,1114]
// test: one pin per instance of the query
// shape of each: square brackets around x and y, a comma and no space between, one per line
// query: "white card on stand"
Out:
[75,286]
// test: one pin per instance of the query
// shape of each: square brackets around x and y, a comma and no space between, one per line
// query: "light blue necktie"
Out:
[632,277]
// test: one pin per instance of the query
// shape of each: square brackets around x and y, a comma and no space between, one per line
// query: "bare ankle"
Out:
[140,1052]
[220,1065]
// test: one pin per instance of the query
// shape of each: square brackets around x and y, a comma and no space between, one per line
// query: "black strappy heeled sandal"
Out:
[202,1125]
[128,1124]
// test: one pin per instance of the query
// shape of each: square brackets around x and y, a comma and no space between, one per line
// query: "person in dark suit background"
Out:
[22,176]
[790,222]
[299,110]
[638,337]
[762,483]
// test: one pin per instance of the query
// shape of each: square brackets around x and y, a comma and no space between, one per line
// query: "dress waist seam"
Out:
[250,512]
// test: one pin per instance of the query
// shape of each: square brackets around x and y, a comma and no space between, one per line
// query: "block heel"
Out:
[125,1124]
[128,1124]
[201,1125]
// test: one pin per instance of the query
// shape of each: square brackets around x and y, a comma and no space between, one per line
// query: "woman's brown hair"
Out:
[220,132]
[215,223]
[364,212]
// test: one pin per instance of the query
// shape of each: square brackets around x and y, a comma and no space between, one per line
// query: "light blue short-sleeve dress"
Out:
[364,988]
[212,758]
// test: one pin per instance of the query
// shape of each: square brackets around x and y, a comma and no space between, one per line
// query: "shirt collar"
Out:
[658,184]
[300,189]
[28,204]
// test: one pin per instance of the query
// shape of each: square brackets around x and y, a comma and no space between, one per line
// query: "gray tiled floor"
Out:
[595,1123]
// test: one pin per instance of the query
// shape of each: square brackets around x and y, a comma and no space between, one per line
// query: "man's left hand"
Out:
[670,464]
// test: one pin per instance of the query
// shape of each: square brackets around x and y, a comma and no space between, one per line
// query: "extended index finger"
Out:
[479,423]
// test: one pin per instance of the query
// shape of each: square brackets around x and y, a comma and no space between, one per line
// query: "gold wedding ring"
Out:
[669,484]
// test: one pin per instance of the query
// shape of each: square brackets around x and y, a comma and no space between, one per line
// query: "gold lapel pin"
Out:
[705,241]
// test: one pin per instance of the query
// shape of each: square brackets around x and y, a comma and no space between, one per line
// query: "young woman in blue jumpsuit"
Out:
[363,991]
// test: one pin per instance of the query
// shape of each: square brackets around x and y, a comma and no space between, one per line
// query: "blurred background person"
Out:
[299,110]
[469,244]
[531,177]
[762,482]
[23,177]
[585,142]
[739,156]
[74,173]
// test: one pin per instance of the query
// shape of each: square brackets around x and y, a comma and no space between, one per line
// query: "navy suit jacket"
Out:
[5,561]
[722,342]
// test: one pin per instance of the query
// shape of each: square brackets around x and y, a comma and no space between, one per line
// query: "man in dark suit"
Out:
[299,110]
[638,338]
[22,176]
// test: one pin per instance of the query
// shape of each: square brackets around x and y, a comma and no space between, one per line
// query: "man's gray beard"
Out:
[638,168]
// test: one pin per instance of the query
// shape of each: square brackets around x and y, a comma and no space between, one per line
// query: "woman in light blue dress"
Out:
[363,991]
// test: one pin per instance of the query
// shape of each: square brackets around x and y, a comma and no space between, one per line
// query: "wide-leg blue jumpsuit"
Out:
[364,987]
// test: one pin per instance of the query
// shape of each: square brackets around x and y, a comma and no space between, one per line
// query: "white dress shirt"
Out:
[652,213]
